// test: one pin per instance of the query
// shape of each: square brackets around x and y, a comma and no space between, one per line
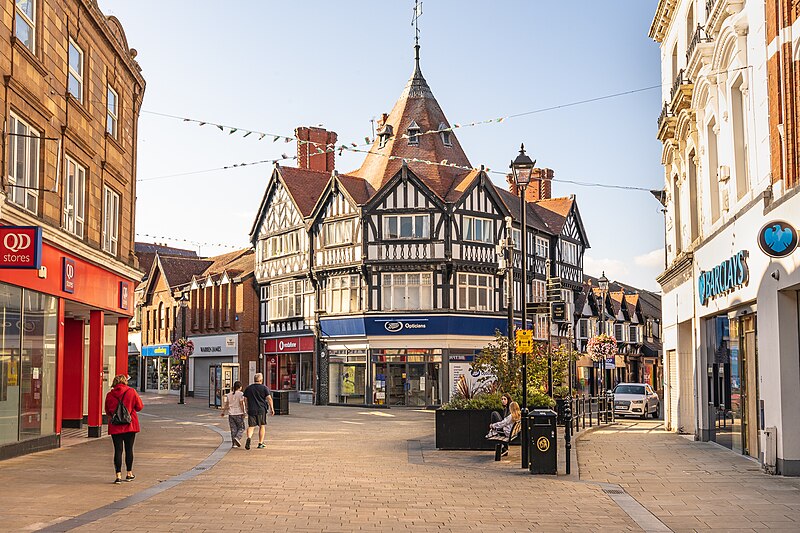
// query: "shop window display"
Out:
[27,364]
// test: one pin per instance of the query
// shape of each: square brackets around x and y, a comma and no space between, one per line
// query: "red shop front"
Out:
[64,338]
[290,366]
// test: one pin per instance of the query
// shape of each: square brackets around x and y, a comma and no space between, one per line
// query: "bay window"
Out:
[284,244]
[569,253]
[476,292]
[338,232]
[407,291]
[286,299]
[343,294]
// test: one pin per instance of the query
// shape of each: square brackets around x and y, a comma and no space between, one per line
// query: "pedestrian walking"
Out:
[122,406]
[234,407]
[259,401]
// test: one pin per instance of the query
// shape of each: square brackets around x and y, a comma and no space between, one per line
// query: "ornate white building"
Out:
[723,381]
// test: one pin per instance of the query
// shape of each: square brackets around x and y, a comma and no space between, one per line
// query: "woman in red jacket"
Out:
[123,435]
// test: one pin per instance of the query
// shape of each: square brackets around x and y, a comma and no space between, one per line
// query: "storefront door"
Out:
[733,378]
[158,374]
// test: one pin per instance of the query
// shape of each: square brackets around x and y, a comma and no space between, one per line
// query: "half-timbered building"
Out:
[379,286]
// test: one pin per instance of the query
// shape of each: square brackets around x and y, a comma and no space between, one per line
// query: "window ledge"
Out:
[32,58]
[77,105]
[110,138]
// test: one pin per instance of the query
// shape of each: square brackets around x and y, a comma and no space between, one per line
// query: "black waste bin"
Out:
[543,443]
[280,402]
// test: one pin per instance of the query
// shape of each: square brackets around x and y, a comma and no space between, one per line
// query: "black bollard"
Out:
[567,432]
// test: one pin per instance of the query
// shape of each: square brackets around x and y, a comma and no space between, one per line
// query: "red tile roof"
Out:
[305,186]
[554,212]
[416,104]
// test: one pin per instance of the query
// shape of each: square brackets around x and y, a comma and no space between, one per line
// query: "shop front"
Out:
[159,376]
[210,351]
[289,366]
[411,361]
[64,336]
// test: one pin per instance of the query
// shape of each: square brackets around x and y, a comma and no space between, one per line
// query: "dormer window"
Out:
[384,134]
[445,132]
[413,134]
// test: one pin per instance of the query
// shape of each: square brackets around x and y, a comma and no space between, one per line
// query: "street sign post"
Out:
[524,341]
[558,311]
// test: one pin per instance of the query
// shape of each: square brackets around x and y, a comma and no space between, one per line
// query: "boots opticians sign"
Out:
[723,278]
[20,247]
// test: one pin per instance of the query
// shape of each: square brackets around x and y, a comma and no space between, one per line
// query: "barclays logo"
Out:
[393,326]
[777,239]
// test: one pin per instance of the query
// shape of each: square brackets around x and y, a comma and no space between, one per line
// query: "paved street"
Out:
[348,469]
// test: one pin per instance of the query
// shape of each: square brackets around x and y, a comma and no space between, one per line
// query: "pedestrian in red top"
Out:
[123,435]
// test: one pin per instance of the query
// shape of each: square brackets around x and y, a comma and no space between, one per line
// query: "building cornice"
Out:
[681,264]
[662,20]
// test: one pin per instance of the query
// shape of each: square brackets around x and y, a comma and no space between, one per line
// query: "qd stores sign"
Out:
[20,247]
[725,277]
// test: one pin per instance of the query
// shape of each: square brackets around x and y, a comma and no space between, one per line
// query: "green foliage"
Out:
[481,401]
[494,360]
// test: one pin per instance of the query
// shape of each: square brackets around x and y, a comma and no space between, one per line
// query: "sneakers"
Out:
[117,480]
[261,445]
[237,443]
[504,453]
[247,444]
[130,478]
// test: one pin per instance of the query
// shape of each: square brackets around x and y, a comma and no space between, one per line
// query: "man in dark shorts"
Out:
[259,400]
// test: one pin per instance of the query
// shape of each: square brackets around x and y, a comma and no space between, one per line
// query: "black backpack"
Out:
[121,416]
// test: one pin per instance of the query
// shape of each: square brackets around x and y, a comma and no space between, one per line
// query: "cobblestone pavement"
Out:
[354,469]
[689,486]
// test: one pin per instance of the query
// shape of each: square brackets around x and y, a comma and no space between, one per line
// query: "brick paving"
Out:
[689,486]
[352,469]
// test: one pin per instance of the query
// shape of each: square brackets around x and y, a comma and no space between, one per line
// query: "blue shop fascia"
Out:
[402,359]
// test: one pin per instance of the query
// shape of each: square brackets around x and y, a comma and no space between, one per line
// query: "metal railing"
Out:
[710,7]
[665,112]
[680,79]
[700,36]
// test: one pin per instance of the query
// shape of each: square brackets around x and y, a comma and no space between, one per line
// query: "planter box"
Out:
[463,429]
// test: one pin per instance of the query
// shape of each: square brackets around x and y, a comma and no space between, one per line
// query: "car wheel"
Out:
[655,413]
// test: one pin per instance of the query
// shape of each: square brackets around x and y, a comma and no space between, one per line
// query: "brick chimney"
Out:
[540,187]
[308,155]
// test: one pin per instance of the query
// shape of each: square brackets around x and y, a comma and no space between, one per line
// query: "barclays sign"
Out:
[723,278]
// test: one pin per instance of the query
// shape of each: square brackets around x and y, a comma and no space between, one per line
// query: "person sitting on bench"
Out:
[502,429]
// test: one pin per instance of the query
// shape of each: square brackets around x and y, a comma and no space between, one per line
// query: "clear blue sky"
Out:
[271,66]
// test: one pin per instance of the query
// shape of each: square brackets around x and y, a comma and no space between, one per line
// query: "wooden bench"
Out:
[515,431]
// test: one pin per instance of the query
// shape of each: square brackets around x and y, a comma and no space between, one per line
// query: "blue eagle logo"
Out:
[778,238]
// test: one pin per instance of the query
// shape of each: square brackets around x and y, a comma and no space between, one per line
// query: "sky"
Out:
[271,66]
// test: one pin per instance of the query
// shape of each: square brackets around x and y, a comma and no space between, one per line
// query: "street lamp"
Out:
[522,168]
[602,282]
[184,303]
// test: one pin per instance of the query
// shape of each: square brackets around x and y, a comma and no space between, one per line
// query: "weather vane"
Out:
[415,19]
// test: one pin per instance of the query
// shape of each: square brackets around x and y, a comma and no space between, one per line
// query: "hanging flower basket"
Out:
[182,349]
[601,347]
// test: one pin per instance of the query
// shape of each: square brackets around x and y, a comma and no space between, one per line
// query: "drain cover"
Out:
[613,491]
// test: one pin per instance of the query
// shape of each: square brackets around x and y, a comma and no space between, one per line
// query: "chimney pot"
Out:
[310,140]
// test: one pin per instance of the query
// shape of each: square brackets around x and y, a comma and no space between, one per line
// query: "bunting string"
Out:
[196,243]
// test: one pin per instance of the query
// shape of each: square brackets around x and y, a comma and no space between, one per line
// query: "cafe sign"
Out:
[20,247]
[726,277]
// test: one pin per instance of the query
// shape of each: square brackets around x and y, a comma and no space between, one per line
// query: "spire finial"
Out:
[415,23]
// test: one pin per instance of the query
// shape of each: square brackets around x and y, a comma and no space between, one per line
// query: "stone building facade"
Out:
[72,92]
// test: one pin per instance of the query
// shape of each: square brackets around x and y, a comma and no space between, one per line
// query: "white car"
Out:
[637,399]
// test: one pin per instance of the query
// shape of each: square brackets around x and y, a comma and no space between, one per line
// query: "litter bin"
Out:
[280,402]
[543,443]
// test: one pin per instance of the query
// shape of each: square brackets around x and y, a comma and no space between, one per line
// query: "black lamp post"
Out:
[184,302]
[602,282]
[522,168]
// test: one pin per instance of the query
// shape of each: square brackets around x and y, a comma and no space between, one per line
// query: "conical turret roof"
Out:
[416,108]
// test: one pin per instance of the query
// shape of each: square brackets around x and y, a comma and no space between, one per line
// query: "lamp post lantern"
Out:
[602,282]
[522,169]
[184,302]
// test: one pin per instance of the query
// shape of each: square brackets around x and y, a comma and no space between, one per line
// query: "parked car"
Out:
[635,399]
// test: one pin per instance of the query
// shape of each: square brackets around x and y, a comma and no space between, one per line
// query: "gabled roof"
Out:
[304,186]
[359,189]
[179,270]
[554,212]
[146,253]
[534,219]
[416,104]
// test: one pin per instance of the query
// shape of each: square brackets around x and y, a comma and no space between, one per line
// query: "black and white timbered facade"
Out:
[378,287]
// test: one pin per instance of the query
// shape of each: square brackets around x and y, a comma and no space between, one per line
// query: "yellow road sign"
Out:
[524,341]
